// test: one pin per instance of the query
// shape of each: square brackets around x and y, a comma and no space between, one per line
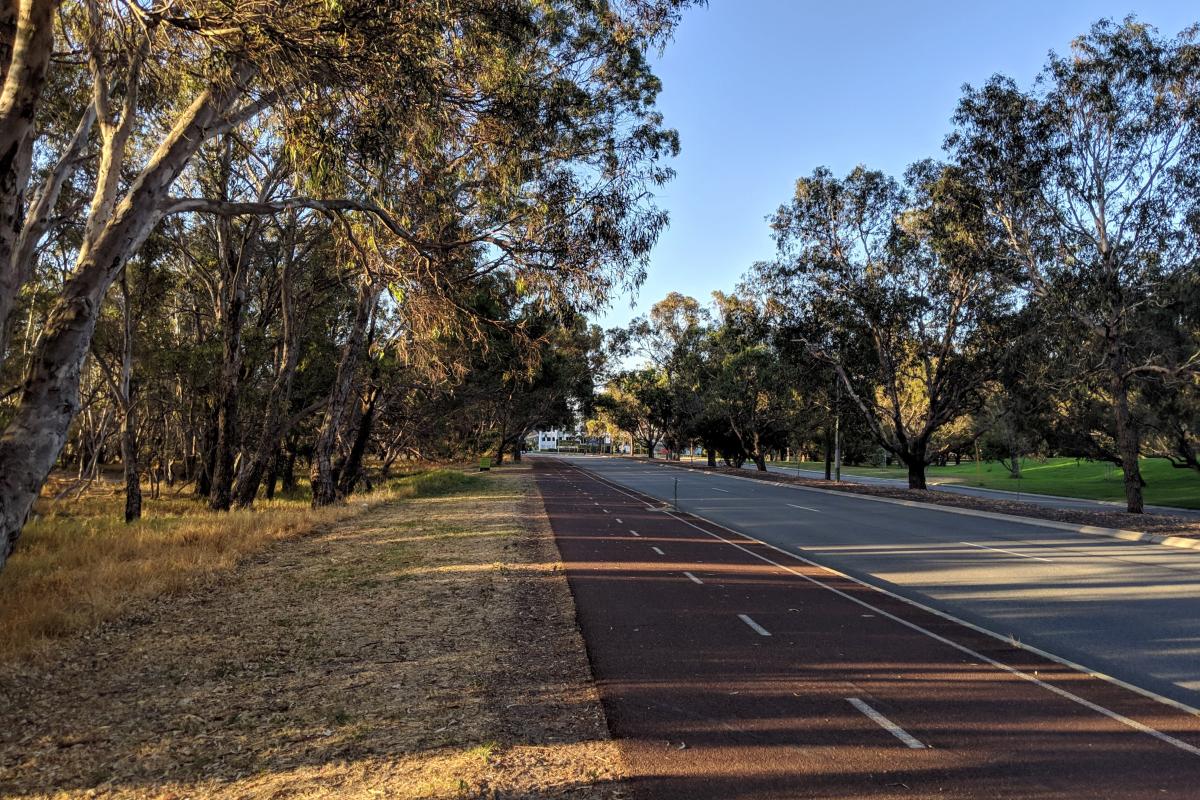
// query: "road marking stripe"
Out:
[806,508]
[635,533]
[715,489]
[619,521]
[693,578]
[886,724]
[759,629]
[1002,550]
[1121,718]
[660,552]
[605,510]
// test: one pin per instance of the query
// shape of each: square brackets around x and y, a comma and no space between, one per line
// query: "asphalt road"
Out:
[1125,609]
[729,669]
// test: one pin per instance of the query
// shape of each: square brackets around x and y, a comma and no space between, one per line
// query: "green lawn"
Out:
[1165,485]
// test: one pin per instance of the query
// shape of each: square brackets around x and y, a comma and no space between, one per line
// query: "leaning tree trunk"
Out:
[274,425]
[324,482]
[352,470]
[27,43]
[129,443]
[37,430]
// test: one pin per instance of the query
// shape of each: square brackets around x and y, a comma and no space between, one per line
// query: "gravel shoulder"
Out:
[425,649]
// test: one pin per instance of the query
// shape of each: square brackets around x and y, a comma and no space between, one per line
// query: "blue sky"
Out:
[764,91]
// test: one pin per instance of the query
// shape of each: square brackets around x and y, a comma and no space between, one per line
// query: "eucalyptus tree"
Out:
[1092,178]
[640,402]
[750,390]
[541,115]
[899,291]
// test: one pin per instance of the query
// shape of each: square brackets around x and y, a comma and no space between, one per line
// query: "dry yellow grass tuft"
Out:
[78,564]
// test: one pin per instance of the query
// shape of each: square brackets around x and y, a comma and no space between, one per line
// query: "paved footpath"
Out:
[730,669]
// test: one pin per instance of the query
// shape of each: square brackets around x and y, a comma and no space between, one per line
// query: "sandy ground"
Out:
[426,649]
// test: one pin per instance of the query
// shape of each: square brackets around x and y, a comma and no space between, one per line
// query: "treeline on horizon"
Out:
[1035,291]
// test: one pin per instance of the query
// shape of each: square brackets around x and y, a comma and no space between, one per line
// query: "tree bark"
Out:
[129,442]
[352,470]
[1127,443]
[28,39]
[324,482]
[232,317]
[916,473]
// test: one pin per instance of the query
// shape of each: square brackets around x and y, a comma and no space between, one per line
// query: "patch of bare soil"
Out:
[426,649]
[1153,523]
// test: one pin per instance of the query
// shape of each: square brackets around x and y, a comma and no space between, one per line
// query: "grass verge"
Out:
[423,649]
[79,564]
[1067,477]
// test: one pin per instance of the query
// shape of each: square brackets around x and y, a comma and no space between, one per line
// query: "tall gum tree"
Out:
[898,290]
[1092,176]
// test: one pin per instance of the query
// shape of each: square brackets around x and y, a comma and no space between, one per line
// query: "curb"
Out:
[1181,542]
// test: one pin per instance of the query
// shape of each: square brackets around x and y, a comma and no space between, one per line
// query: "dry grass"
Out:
[424,649]
[79,564]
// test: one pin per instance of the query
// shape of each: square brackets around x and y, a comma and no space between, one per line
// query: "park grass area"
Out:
[424,647]
[1067,477]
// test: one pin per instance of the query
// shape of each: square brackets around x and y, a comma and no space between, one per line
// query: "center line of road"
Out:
[1002,550]
[806,508]
[660,552]
[715,489]
[693,578]
[759,629]
[885,723]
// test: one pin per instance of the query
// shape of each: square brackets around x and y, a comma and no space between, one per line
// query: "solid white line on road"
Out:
[1002,550]
[693,578]
[806,508]
[635,533]
[885,723]
[759,629]
[660,552]
[715,489]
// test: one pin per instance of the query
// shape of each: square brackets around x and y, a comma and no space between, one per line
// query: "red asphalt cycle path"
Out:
[674,610]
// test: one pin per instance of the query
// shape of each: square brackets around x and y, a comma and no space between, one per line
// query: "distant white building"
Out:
[548,440]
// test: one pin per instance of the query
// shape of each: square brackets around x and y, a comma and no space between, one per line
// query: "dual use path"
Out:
[729,668]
